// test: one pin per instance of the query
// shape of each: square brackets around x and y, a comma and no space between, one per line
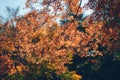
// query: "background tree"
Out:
[37,47]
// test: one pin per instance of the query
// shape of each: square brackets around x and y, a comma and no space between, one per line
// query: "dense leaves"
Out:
[36,47]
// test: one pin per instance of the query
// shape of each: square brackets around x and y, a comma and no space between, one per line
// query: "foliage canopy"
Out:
[36,47]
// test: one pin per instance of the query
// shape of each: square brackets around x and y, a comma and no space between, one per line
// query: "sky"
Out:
[12,4]
[21,3]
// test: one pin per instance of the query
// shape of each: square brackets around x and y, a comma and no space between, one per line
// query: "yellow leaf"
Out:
[77,77]
[19,68]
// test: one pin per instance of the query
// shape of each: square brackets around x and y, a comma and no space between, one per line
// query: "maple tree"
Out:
[38,47]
